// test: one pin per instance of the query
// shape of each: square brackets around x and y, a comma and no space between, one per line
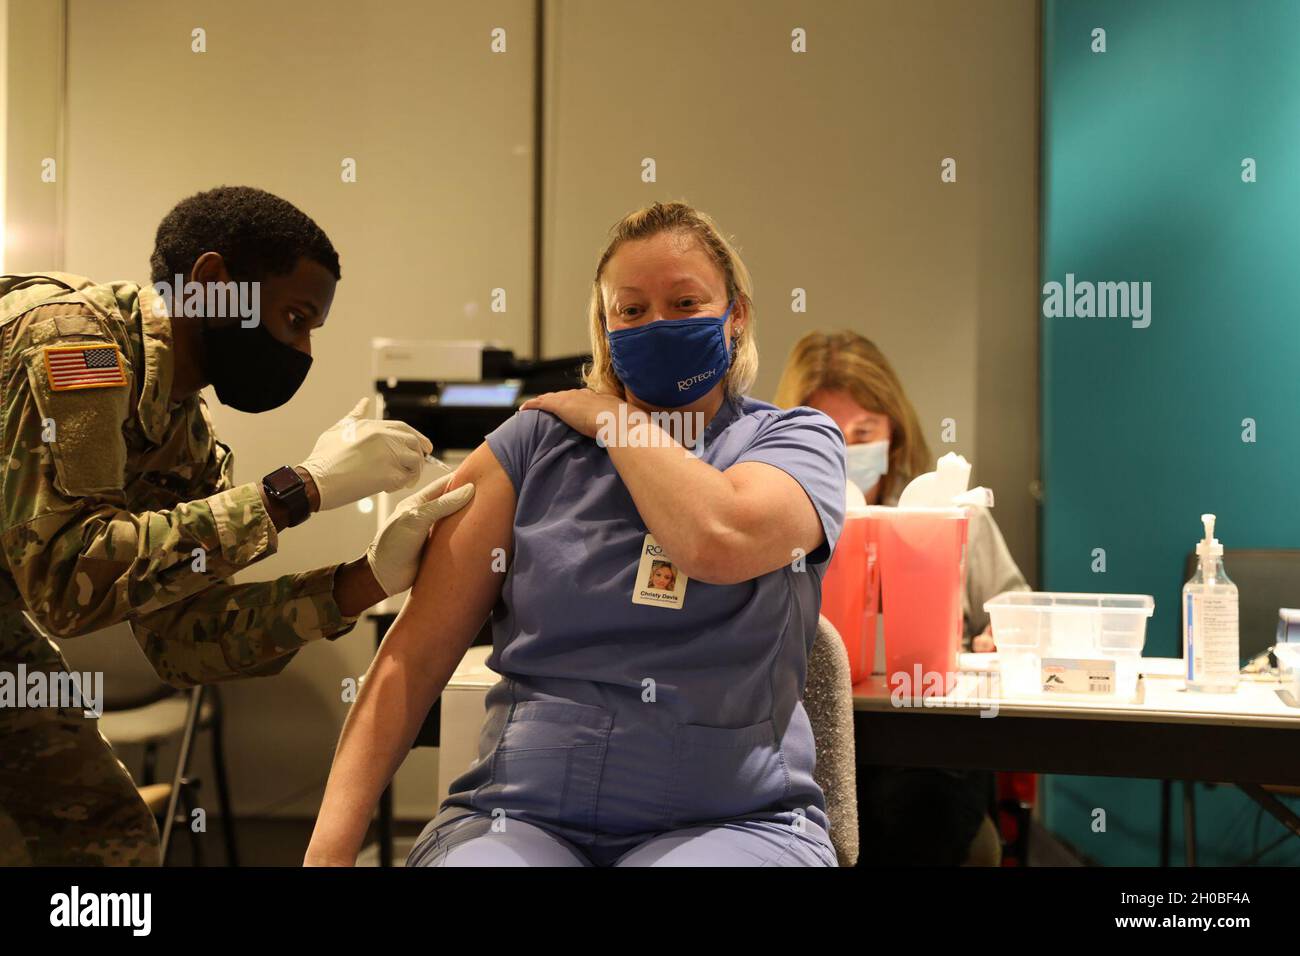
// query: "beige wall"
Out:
[33,78]
[824,166]
[441,130]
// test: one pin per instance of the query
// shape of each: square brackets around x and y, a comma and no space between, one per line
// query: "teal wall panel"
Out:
[1142,427]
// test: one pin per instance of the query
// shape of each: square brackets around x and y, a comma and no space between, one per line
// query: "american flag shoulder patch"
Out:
[93,365]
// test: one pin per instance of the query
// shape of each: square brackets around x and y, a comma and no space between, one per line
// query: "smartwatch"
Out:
[287,487]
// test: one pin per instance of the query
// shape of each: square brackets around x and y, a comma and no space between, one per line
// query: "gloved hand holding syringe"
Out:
[394,554]
[359,457]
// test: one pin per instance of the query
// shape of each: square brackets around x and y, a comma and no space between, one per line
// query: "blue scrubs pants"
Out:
[600,777]
[458,837]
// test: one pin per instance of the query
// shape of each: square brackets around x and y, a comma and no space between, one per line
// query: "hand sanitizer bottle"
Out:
[1211,643]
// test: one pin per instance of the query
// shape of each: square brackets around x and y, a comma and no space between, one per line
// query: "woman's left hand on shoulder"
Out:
[579,408]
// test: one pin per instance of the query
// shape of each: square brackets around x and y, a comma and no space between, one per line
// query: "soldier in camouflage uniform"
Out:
[117,504]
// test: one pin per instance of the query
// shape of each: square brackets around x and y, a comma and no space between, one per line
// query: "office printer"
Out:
[455,392]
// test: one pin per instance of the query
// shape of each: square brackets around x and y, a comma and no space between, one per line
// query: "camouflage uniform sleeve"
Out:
[82,564]
[241,630]
[82,560]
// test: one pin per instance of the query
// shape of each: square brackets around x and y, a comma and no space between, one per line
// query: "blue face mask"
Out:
[672,362]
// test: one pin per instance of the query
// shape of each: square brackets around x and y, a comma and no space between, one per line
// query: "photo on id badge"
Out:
[659,582]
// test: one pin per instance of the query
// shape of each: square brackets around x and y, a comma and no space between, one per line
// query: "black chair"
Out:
[141,710]
[1267,579]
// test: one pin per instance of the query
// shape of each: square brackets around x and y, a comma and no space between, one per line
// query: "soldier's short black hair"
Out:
[257,233]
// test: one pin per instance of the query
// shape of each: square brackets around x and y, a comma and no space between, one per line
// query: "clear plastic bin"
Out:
[1031,625]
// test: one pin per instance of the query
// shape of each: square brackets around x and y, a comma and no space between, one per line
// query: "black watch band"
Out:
[286,486]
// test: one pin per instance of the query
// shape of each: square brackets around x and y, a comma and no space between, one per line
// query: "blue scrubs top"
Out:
[623,718]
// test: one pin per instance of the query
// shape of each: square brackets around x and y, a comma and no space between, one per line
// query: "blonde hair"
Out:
[680,218]
[845,361]
[671,570]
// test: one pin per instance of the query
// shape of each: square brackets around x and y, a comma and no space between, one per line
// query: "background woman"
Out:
[846,376]
[906,815]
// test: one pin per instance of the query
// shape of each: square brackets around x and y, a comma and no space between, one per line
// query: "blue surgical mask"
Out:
[867,463]
[672,362]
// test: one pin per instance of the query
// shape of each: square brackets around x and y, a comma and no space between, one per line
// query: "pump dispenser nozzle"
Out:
[1210,547]
[1209,550]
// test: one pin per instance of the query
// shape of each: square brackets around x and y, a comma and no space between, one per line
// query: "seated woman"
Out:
[906,814]
[845,375]
[642,718]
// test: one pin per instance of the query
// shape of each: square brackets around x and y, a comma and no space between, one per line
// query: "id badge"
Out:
[659,582]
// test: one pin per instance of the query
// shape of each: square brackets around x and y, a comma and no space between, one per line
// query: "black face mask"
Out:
[251,369]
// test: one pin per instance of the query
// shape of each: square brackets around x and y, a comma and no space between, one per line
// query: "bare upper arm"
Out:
[774,521]
[463,565]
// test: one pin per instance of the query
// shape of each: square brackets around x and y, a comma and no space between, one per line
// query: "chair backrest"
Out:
[828,699]
[1267,579]
[129,679]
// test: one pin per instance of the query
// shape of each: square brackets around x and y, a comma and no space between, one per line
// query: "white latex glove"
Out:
[357,457]
[394,555]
